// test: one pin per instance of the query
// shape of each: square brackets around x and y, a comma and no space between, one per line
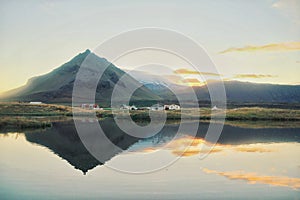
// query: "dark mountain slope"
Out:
[57,86]
[246,92]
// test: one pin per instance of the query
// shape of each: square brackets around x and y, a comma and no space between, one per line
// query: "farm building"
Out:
[171,107]
[126,107]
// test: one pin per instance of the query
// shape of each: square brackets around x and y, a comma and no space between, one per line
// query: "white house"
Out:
[35,102]
[172,107]
[133,107]
[215,108]
[90,106]
[157,107]
[126,107]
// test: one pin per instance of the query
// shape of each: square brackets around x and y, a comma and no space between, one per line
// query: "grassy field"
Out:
[265,114]
[24,109]
[236,114]
[23,115]
[22,123]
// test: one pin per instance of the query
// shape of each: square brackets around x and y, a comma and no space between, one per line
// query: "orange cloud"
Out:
[186,153]
[253,149]
[190,72]
[149,149]
[186,141]
[286,46]
[192,82]
[194,151]
[254,76]
[190,146]
[253,178]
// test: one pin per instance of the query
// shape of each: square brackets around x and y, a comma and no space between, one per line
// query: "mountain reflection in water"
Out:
[62,139]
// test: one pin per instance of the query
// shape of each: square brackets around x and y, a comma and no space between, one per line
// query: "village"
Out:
[155,107]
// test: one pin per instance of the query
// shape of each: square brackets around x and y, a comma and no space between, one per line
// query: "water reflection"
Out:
[254,178]
[261,163]
[62,139]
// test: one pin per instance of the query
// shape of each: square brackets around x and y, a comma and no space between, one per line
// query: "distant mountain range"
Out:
[246,92]
[57,87]
[236,91]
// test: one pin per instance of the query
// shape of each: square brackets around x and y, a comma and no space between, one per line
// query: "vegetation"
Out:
[235,114]
[25,109]
[22,115]
[23,122]
[263,124]
[257,113]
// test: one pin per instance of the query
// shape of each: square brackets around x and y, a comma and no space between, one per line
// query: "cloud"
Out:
[191,82]
[254,76]
[186,141]
[286,46]
[289,9]
[253,178]
[186,153]
[253,149]
[190,146]
[149,150]
[192,151]
[191,72]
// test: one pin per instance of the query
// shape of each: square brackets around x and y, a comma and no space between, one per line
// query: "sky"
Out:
[257,41]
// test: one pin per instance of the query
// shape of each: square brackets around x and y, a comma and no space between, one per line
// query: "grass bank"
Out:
[235,114]
[232,114]
[22,123]
[22,115]
[25,109]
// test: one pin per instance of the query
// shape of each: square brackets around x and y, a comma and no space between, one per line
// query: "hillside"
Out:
[236,92]
[246,92]
[57,86]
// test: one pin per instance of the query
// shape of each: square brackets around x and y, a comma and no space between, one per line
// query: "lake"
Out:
[246,163]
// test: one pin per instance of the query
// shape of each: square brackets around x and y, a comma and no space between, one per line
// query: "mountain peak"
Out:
[87,51]
[79,58]
[57,85]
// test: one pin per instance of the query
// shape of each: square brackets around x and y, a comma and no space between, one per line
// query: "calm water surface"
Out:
[246,163]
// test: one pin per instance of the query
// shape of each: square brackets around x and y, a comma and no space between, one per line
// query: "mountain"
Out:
[246,92]
[236,91]
[160,85]
[63,140]
[57,86]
